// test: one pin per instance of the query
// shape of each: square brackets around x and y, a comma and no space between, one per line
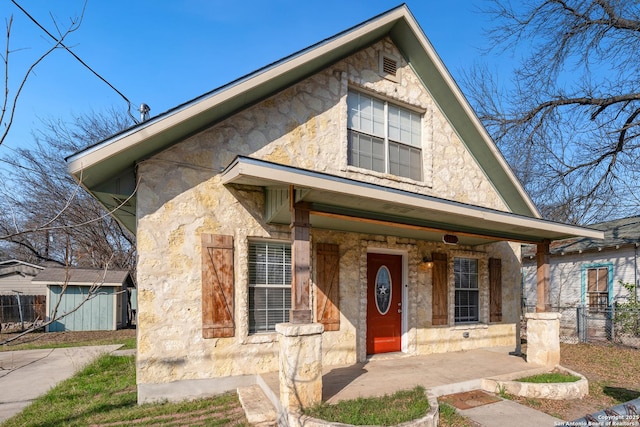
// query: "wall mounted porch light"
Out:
[426,264]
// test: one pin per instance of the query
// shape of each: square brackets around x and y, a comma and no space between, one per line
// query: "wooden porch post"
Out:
[300,255]
[543,302]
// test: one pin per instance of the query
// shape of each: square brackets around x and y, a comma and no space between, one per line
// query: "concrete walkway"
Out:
[442,374]
[509,413]
[28,374]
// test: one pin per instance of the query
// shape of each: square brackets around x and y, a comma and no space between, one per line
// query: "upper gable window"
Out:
[384,137]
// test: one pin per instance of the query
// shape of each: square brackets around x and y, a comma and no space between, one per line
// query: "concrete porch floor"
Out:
[444,373]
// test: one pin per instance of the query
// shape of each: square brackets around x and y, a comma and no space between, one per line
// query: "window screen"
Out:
[269,285]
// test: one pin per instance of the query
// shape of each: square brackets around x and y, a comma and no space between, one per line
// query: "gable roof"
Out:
[107,169]
[83,277]
[617,233]
[14,266]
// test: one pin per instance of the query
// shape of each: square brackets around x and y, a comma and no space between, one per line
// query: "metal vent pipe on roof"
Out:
[144,112]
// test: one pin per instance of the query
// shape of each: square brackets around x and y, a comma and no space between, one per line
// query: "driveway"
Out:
[28,374]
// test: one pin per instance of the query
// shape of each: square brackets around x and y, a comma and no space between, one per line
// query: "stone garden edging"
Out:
[554,391]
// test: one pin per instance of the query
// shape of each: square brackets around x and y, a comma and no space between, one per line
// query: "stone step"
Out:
[257,407]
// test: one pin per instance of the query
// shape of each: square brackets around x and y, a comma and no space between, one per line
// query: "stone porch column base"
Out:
[543,338]
[300,365]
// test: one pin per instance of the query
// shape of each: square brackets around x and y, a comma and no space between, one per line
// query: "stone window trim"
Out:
[243,238]
[483,286]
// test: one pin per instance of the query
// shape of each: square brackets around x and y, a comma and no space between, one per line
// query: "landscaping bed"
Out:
[611,372]
[560,384]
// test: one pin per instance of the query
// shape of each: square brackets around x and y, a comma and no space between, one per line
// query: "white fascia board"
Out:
[54,283]
[119,143]
[285,175]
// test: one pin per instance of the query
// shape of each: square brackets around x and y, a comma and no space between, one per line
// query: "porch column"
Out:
[543,326]
[300,361]
[300,365]
[300,255]
[543,302]
[543,338]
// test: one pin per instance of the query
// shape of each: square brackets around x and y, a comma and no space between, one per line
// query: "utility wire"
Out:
[59,42]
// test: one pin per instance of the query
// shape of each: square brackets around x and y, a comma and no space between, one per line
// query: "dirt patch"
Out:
[63,338]
[610,370]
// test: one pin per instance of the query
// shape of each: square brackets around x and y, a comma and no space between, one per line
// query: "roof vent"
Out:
[144,112]
[389,67]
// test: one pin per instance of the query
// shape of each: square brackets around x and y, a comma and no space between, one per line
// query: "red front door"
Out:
[384,303]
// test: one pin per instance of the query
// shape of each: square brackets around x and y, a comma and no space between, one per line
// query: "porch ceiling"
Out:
[343,204]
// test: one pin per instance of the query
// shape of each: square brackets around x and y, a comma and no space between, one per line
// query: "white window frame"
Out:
[386,140]
[268,325]
[459,319]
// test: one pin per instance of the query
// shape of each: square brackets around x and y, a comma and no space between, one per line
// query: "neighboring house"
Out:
[17,275]
[587,272]
[85,299]
[20,299]
[349,184]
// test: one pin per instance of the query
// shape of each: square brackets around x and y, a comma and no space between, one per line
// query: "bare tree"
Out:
[12,87]
[45,215]
[568,121]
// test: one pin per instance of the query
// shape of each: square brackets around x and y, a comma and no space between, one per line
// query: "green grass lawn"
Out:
[387,410]
[104,394]
[550,377]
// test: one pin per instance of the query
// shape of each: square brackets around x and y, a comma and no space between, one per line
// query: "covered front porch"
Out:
[440,374]
[433,229]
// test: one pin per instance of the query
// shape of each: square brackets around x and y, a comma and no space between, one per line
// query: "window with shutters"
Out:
[466,290]
[598,288]
[384,137]
[269,285]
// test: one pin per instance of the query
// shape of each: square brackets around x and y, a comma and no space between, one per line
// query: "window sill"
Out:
[261,338]
[387,176]
[471,325]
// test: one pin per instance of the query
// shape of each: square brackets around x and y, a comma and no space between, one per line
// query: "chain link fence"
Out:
[616,324]
[18,310]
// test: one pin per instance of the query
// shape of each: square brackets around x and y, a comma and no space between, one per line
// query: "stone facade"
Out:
[180,197]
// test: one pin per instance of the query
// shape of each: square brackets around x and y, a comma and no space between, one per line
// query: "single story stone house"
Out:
[342,202]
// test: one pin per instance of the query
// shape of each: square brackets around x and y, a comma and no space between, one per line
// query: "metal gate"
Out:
[620,325]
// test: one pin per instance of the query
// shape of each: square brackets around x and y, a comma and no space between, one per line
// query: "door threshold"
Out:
[387,356]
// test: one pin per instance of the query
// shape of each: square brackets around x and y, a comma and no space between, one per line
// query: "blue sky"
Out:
[164,53]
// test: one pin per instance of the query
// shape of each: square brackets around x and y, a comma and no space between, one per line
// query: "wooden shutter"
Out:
[495,290]
[598,279]
[217,286]
[327,286]
[440,290]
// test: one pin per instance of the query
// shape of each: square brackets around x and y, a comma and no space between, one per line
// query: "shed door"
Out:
[384,303]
